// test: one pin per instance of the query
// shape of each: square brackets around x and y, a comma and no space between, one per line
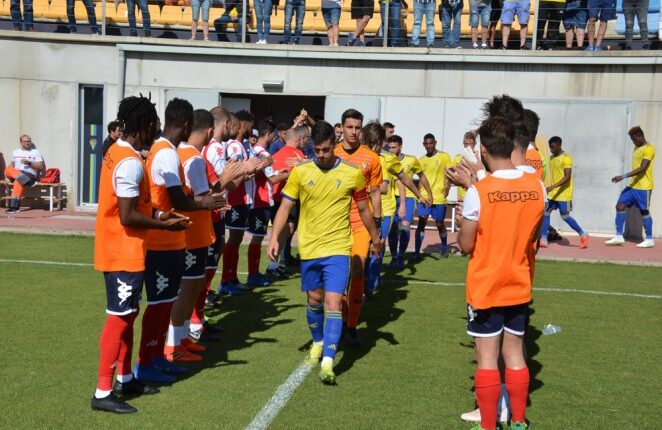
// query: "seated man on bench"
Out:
[24,169]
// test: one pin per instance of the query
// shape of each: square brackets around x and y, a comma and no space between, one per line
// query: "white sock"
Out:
[620,237]
[195,327]
[171,340]
[102,394]
[124,378]
[327,360]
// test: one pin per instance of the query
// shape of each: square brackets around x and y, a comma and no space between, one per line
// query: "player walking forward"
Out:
[326,189]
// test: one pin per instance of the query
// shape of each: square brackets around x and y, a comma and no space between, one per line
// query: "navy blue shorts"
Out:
[603,10]
[639,198]
[330,273]
[410,203]
[163,275]
[258,221]
[492,322]
[438,212]
[237,218]
[563,207]
[195,261]
[214,251]
[123,291]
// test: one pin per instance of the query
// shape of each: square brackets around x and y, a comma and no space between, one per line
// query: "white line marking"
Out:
[413,282]
[280,398]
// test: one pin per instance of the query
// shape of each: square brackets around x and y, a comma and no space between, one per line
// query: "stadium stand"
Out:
[653,17]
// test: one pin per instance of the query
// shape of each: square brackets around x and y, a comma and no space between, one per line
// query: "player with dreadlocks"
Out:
[124,216]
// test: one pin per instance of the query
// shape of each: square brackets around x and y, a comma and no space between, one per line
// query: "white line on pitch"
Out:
[280,398]
[52,263]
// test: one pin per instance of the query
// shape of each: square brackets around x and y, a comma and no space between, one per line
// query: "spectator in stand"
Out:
[279,141]
[550,13]
[512,8]
[638,8]
[394,28]
[427,8]
[362,11]
[575,17]
[495,17]
[338,130]
[24,169]
[451,10]
[233,13]
[19,20]
[196,7]
[144,11]
[292,6]
[331,14]
[603,11]
[479,13]
[114,133]
[263,17]
[91,16]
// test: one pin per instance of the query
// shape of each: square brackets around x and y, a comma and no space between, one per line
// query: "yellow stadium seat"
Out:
[4,8]
[80,11]
[314,5]
[110,11]
[346,23]
[278,21]
[121,15]
[170,15]
[319,25]
[309,21]
[39,8]
[57,10]
[187,16]
[214,13]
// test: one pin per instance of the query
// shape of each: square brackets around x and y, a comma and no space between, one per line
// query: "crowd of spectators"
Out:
[585,21]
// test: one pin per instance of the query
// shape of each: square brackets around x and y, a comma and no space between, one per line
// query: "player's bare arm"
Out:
[183,202]
[567,174]
[376,199]
[639,170]
[423,180]
[466,238]
[409,183]
[279,223]
[369,223]
[130,217]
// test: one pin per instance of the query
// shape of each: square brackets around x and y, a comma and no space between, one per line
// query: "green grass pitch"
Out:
[413,371]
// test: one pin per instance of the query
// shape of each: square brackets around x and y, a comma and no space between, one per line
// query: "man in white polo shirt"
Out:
[26,165]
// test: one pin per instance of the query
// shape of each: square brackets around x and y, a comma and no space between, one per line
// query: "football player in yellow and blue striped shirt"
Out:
[559,194]
[433,164]
[638,192]
[398,238]
[324,188]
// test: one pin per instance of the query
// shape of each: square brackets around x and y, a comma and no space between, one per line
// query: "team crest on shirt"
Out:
[161,283]
[366,165]
[123,291]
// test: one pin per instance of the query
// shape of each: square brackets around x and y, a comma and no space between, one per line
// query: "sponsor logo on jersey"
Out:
[512,196]
[161,283]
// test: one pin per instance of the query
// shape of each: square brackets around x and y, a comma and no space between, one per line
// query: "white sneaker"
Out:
[615,241]
[648,243]
[474,416]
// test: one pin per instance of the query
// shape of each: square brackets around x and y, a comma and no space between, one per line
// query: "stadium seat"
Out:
[121,15]
[653,18]
[4,8]
[314,5]
[170,15]
[187,16]
[57,10]
[80,11]
[39,8]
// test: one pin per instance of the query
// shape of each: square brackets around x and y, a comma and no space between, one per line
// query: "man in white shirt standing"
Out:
[24,169]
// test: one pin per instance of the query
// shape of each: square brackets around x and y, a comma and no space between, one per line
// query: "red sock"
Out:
[230,260]
[109,348]
[163,329]
[126,347]
[354,301]
[209,276]
[517,384]
[198,314]
[254,255]
[487,383]
[152,332]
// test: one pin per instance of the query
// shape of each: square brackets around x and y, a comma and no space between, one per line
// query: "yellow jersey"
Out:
[460,191]
[643,181]
[325,197]
[557,166]
[433,168]
[391,168]
[411,166]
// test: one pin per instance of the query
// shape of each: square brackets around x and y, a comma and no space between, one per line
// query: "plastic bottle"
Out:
[551,329]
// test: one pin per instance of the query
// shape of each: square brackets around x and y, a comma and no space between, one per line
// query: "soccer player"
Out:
[559,194]
[326,188]
[351,151]
[165,259]
[531,121]
[638,192]
[433,165]
[199,236]
[500,226]
[124,215]
[400,233]
[468,141]
[24,168]
[284,160]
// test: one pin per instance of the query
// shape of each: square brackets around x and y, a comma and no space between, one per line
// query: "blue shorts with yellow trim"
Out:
[639,198]
[410,203]
[386,225]
[330,273]
[563,207]
[438,212]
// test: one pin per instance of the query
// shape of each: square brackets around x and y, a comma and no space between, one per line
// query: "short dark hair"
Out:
[636,131]
[555,139]
[112,125]
[504,106]
[202,119]
[496,136]
[373,133]
[321,132]
[532,122]
[352,114]
[395,138]
[521,139]
[265,127]
[337,125]
[178,112]
[429,136]
[282,127]
[245,116]
[389,125]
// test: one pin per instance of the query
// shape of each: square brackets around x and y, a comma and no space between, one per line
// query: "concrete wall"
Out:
[419,90]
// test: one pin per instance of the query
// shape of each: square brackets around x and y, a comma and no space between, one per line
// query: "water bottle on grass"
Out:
[551,329]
